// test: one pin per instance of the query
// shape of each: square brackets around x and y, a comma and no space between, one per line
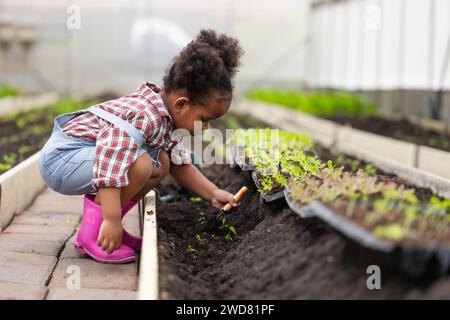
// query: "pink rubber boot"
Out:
[86,242]
[127,239]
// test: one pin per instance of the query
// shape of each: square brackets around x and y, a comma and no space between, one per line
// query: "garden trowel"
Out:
[229,207]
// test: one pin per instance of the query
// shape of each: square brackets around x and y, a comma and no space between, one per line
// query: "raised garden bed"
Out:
[273,252]
[397,129]
[275,255]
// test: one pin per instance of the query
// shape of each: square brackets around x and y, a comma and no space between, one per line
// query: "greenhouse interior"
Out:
[225,150]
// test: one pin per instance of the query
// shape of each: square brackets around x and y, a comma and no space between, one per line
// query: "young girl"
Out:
[117,151]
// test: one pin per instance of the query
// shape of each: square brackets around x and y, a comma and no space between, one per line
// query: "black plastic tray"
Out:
[304,212]
[416,261]
[348,228]
[265,197]
[236,151]
[244,166]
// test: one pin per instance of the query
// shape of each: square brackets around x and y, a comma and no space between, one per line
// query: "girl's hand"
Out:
[221,197]
[110,235]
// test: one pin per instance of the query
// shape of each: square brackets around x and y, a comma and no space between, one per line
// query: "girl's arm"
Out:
[191,178]
[110,234]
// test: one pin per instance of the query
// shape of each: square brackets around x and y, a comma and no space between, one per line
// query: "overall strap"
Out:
[125,125]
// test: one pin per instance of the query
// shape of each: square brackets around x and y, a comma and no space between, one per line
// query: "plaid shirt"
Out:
[116,150]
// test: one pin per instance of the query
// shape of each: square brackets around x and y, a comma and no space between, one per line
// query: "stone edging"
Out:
[148,287]
[18,188]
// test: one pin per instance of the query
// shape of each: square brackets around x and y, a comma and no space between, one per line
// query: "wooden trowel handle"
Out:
[238,196]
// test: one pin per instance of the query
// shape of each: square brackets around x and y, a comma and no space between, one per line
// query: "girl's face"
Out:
[184,113]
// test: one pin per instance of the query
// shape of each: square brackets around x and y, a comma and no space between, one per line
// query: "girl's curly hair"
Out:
[209,62]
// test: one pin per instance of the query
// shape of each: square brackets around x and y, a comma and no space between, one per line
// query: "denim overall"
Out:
[66,163]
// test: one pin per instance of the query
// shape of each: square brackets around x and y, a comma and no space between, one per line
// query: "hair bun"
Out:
[228,48]
[208,62]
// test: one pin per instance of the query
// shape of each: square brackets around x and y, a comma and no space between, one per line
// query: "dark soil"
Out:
[276,255]
[17,144]
[397,129]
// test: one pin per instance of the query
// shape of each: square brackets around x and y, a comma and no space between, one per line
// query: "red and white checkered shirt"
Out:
[116,150]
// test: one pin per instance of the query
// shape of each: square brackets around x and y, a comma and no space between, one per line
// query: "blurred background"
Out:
[120,43]
[394,53]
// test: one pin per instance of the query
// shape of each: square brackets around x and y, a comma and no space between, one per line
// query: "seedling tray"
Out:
[348,228]
[265,197]
[247,167]
[416,261]
[244,166]
[237,152]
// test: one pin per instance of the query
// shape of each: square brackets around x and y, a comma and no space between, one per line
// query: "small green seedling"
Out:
[330,166]
[202,220]
[340,160]
[354,165]
[370,170]
[230,230]
[392,232]
[214,237]
[10,158]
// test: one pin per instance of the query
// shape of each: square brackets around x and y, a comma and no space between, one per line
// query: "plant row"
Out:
[24,133]
[8,91]
[319,103]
